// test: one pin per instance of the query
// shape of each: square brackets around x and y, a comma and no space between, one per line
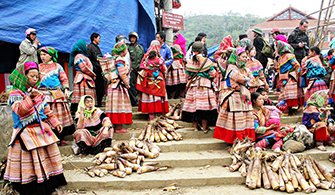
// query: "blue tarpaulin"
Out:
[60,23]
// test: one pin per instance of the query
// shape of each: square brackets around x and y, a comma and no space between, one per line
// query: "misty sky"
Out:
[261,8]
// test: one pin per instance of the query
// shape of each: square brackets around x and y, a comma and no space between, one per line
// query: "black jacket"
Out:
[258,43]
[294,39]
[94,52]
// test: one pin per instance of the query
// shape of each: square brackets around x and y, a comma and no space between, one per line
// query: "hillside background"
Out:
[216,27]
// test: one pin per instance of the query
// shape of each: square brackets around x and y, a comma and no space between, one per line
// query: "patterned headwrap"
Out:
[283,47]
[119,48]
[154,46]
[78,48]
[81,106]
[177,52]
[233,58]
[245,42]
[281,38]
[19,79]
[51,51]
[226,42]
[318,99]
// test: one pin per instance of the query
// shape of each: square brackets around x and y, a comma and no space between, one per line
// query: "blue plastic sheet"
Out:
[60,23]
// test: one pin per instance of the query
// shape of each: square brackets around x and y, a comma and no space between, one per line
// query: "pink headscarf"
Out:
[281,38]
[181,41]
[30,65]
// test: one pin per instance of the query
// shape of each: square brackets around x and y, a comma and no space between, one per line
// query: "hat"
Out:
[258,31]
[30,31]
[274,30]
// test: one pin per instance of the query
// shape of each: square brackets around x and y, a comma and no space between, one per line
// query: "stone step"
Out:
[185,176]
[187,159]
[174,146]
[182,177]
[169,159]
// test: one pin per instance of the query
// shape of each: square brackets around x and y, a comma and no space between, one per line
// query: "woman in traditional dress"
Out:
[316,119]
[94,129]
[222,56]
[118,106]
[256,68]
[55,87]
[83,83]
[151,83]
[267,124]
[235,117]
[175,76]
[313,71]
[34,164]
[200,106]
[291,94]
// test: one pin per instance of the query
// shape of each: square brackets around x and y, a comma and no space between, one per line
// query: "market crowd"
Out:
[228,90]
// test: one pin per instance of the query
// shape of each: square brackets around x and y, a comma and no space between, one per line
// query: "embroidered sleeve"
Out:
[237,77]
[52,119]
[23,107]
[122,71]
[62,77]
[83,64]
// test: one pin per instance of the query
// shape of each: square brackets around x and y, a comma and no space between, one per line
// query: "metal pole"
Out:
[169,31]
[318,25]
[319,10]
[327,18]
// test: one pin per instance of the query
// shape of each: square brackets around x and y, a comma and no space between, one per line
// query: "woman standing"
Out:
[83,83]
[118,107]
[94,129]
[200,104]
[257,70]
[175,76]
[55,87]
[316,119]
[313,70]
[34,163]
[151,83]
[291,94]
[235,118]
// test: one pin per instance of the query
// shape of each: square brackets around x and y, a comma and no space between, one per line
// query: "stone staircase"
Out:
[197,161]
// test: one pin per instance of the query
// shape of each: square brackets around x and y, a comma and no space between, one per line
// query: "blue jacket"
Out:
[166,53]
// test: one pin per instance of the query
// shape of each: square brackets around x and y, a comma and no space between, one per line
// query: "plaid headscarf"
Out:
[245,42]
[283,47]
[318,99]
[51,51]
[19,79]
[78,48]
[177,52]
[119,48]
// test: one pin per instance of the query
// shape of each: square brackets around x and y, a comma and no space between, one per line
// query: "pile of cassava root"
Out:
[284,171]
[124,158]
[161,130]
[175,111]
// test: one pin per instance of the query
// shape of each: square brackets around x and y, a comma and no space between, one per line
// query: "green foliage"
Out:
[216,27]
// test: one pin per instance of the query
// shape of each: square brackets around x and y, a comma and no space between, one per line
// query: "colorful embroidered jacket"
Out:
[32,120]
[84,68]
[53,77]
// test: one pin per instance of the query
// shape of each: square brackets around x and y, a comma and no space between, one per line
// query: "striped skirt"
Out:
[232,125]
[118,107]
[292,94]
[150,104]
[85,136]
[318,85]
[81,89]
[62,111]
[200,98]
[175,77]
[38,164]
